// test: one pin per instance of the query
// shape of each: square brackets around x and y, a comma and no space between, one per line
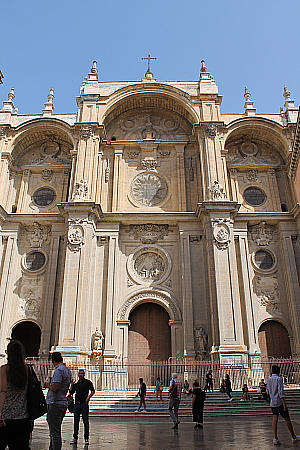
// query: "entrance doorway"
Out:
[274,340]
[149,340]
[29,334]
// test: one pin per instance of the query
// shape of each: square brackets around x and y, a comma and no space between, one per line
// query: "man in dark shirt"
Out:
[83,390]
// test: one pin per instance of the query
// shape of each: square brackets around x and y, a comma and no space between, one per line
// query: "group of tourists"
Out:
[16,426]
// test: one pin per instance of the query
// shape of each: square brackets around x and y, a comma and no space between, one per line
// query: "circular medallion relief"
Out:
[148,189]
[149,264]
[34,261]
[264,260]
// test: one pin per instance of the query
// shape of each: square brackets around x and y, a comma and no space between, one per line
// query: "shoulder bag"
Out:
[36,403]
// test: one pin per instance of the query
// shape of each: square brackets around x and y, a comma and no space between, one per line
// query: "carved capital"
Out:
[86,132]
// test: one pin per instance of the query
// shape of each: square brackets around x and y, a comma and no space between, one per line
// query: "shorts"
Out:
[279,410]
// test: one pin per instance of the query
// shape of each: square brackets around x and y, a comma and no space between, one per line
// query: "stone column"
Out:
[23,190]
[187,294]
[247,275]
[218,222]
[274,190]
[117,186]
[291,284]
[181,189]
[77,297]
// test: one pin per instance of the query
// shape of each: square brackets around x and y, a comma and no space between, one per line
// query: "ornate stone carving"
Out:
[217,193]
[149,265]
[2,132]
[26,173]
[191,169]
[133,154]
[148,233]
[248,148]
[37,234]
[262,233]
[252,175]
[47,175]
[149,164]
[164,153]
[31,294]
[51,155]
[195,239]
[97,343]
[129,282]
[200,342]
[268,293]
[148,189]
[145,297]
[75,234]
[211,131]
[221,233]
[86,132]
[80,191]
[107,171]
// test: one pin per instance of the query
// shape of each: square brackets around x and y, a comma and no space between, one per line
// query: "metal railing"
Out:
[119,375]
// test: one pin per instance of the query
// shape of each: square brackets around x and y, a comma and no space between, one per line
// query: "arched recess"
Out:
[273,339]
[29,333]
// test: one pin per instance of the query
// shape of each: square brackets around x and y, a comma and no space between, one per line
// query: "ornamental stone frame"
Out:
[163,299]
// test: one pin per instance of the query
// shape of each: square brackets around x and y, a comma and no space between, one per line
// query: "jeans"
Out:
[16,434]
[55,416]
[174,403]
[83,409]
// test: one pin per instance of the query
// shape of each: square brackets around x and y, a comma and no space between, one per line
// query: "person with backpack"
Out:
[175,391]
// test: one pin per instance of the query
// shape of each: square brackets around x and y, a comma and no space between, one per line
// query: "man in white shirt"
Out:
[278,404]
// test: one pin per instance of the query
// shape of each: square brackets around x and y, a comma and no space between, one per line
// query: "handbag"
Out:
[70,403]
[36,403]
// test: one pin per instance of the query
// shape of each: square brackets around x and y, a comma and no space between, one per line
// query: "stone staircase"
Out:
[122,404]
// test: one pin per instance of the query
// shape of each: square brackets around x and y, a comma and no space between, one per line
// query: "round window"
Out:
[43,197]
[264,260]
[254,196]
[35,261]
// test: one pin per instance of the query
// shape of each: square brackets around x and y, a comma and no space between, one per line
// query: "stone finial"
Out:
[8,105]
[203,66]
[93,75]
[248,105]
[291,111]
[49,106]
[286,93]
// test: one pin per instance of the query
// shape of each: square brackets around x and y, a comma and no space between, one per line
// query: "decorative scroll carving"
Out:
[133,154]
[200,342]
[107,171]
[195,239]
[262,233]
[75,234]
[97,343]
[211,131]
[164,153]
[268,293]
[31,294]
[86,132]
[129,282]
[217,193]
[47,175]
[252,175]
[80,191]
[149,164]
[26,173]
[123,312]
[51,155]
[148,233]
[37,234]
[191,169]
[221,233]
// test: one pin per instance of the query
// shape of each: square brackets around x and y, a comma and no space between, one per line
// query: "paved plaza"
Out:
[218,434]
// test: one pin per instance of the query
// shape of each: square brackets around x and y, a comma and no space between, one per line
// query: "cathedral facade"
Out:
[149,226]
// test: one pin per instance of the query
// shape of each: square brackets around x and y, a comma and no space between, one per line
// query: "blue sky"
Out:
[52,43]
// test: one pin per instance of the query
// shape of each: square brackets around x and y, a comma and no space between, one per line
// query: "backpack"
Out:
[173,390]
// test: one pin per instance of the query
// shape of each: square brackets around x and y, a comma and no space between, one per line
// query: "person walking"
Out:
[15,425]
[198,404]
[83,391]
[278,404]
[158,388]
[142,395]
[56,399]
[228,388]
[175,391]
[209,381]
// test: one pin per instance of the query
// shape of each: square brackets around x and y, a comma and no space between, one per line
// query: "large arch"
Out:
[29,333]
[273,339]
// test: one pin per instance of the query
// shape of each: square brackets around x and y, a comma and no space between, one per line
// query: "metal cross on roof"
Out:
[149,58]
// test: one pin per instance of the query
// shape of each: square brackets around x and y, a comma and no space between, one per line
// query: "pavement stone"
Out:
[223,433]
